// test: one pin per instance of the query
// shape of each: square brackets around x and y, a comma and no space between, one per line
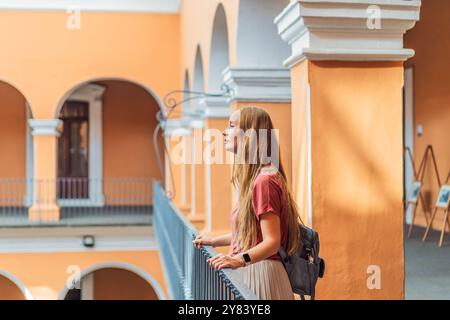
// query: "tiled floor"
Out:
[427,267]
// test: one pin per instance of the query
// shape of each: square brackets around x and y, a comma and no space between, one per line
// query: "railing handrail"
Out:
[231,277]
[75,201]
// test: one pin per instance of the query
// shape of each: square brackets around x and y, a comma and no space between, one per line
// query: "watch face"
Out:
[246,257]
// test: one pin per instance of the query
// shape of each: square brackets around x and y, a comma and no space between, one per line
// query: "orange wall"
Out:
[299,122]
[175,171]
[199,171]
[196,19]
[118,284]
[220,182]
[9,291]
[12,132]
[129,119]
[44,59]
[430,39]
[357,182]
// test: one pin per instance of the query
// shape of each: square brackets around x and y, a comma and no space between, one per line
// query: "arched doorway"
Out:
[106,160]
[114,281]
[16,147]
[219,55]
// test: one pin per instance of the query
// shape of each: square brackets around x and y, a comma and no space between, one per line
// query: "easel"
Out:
[445,222]
[418,176]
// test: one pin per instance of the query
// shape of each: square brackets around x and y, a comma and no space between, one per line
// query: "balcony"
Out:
[190,277]
[81,201]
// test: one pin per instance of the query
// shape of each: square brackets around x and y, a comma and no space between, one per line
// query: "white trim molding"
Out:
[45,127]
[87,286]
[177,127]
[52,240]
[163,6]
[258,84]
[92,94]
[215,107]
[29,151]
[347,30]
[123,266]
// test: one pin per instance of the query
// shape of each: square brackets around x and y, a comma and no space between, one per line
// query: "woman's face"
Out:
[231,132]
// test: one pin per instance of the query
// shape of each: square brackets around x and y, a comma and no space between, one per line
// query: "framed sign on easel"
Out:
[415,195]
[442,203]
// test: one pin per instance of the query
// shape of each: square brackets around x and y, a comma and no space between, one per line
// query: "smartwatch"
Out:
[247,259]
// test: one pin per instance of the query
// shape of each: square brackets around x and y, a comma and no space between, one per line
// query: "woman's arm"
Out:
[270,229]
[219,241]
[223,240]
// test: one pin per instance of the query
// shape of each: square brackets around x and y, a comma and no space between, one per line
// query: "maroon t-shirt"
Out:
[268,195]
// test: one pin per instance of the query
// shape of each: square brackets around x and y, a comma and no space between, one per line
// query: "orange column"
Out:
[197,166]
[178,135]
[217,167]
[347,124]
[44,206]
[185,172]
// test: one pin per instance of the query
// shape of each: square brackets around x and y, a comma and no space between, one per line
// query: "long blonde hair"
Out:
[250,158]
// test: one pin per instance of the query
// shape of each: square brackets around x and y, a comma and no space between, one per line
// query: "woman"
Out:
[265,215]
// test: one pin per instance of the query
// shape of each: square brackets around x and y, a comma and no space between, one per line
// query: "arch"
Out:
[27,101]
[21,139]
[124,266]
[97,79]
[108,118]
[258,34]
[199,82]
[26,293]
[219,54]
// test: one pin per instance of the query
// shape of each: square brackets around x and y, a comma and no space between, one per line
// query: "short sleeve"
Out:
[266,195]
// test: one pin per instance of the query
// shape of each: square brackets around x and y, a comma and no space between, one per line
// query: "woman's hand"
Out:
[203,240]
[226,261]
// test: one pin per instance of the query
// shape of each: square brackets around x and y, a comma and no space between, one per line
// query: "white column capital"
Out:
[347,30]
[258,84]
[216,107]
[177,127]
[45,127]
[89,92]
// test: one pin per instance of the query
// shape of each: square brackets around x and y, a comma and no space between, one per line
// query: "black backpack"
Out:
[305,266]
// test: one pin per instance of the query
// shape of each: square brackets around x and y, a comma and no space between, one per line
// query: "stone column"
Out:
[45,134]
[347,77]
[217,168]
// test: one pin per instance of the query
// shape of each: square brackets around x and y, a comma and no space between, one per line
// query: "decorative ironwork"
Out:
[170,102]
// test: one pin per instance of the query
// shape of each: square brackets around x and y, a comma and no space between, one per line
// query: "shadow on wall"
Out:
[12,288]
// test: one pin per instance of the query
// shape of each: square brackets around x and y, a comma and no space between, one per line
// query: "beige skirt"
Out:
[268,280]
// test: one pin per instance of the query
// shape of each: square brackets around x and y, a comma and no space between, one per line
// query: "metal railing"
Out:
[189,275]
[81,201]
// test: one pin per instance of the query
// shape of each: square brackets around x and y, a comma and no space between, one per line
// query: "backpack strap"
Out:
[282,253]
[313,293]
